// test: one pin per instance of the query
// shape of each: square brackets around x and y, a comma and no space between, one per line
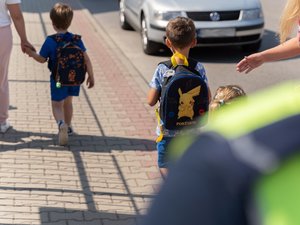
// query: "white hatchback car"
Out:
[218,22]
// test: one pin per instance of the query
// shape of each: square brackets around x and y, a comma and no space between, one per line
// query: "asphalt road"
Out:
[219,62]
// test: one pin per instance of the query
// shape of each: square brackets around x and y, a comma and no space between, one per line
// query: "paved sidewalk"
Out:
[107,175]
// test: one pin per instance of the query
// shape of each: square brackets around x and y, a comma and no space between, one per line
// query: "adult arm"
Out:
[286,50]
[18,20]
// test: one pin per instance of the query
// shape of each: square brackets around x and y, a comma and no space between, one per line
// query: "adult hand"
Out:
[26,44]
[29,51]
[249,63]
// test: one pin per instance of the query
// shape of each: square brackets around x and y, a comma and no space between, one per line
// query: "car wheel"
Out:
[254,47]
[123,22]
[149,47]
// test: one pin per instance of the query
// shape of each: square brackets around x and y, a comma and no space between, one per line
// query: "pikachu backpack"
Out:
[184,96]
[242,169]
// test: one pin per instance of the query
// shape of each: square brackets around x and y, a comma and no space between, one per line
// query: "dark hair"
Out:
[61,15]
[181,31]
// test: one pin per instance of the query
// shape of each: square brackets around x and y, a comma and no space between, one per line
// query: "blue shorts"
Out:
[161,147]
[59,94]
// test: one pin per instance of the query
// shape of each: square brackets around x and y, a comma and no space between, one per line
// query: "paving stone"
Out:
[107,174]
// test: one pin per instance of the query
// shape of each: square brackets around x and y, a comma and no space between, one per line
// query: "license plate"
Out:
[220,32]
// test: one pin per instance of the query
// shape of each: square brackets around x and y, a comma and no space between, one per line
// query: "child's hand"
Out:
[90,82]
[29,51]
[26,44]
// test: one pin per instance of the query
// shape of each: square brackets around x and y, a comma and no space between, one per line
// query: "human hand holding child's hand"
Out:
[26,44]
[90,82]
[29,51]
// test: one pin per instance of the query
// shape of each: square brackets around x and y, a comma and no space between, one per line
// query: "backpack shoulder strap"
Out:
[57,38]
[167,63]
[192,65]
[76,37]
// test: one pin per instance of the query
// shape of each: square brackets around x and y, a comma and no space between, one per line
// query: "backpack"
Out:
[242,169]
[70,68]
[184,96]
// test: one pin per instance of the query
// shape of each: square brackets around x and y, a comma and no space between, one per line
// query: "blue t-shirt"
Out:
[157,81]
[48,49]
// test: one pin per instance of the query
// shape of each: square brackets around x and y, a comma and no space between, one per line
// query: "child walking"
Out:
[61,16]
[180,38]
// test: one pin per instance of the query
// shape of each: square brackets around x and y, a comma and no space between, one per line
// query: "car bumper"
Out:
[216,36]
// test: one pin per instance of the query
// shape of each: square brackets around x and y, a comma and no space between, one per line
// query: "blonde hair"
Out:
[225,95]
[289,19]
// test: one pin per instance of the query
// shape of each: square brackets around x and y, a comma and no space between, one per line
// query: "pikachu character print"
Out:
[186,102]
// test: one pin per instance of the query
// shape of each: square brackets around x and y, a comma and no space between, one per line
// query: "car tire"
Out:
[254,47]
[122,17]
[149,47]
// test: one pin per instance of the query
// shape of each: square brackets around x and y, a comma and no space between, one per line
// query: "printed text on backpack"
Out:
[184,97]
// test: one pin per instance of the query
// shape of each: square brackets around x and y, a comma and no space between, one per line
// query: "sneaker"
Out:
[70,131]
[4,127]
[63,134]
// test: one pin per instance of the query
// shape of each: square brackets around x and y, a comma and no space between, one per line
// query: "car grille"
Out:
[205,16]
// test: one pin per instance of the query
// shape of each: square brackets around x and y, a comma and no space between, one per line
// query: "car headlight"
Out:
[250,14]
[160,15]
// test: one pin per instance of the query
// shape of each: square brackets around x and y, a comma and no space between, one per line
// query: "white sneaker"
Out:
[4,127]
[63,134]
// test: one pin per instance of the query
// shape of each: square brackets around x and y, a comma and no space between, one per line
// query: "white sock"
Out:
[60,122]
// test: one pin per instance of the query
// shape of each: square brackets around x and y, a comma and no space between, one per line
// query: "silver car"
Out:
[218,22]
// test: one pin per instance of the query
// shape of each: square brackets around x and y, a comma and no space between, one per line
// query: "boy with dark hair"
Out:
[180,38]
[61,16]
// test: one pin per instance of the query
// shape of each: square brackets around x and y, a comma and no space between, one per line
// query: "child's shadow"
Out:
[16,140]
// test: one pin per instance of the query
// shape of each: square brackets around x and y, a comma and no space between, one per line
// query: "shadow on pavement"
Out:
[34,140]
[225,54]
[70,216]
[102,6]
[94,6]
[33,6]
[78,144]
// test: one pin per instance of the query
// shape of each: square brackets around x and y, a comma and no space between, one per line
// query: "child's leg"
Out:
[163,172]
[68,106]
[58,110]
[68,110]
[58,113]
[162,156]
